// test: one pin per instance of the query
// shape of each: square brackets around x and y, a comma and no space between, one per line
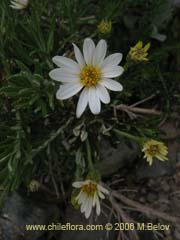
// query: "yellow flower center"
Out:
[90,76]
[105,27]
[89,189]
[139,53]
[153,150]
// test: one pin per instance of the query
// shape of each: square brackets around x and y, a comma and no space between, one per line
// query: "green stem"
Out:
[93,174]
[126,66]
[89,157]
[50,139]
[127,135]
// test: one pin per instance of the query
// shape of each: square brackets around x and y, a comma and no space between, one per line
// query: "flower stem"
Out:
[126,66]
[89,157]
[93,173]
[127,135]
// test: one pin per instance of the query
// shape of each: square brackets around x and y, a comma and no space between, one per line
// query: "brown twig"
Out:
[145,209]
[8,218]
[125,218]
[143,100]
[87,18]
[126,108]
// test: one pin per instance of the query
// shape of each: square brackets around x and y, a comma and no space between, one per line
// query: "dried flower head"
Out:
[138,53]
[34,186]
[105,27]
[154,149]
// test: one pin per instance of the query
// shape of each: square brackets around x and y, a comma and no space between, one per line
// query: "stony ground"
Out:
[156,187]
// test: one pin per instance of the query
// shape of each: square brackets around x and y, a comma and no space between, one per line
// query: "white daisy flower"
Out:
[92,72]
[89,196]
[19,4]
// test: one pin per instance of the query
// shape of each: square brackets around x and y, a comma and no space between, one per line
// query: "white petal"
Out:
[68,90]
[84,204]
[112,60]
[98,208]
[70,70]
[61,61]
[82,102]
[101,195]
[99,52]
[95,199]
[20,4]
[111,84]
[111,72]
[89,208]
[102,93]
[62,75]
[88,48]
[25,2]
[82,198]
[79,196]
[16,6]
[87,182]
[94,102]
[102,189]
[77,184]
[78,55]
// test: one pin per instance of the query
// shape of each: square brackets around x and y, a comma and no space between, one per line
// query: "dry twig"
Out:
[125,218]
[126,108]
[145,209]
[143,100]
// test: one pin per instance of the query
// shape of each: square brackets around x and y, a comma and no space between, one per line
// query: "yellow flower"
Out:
[138,52]
[105,27]
[155,149]
[34,186]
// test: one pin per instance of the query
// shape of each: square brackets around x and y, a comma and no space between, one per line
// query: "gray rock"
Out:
[113,159]
[75,217]
[18,211]
[177,232]
[157,169]
[176,3]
